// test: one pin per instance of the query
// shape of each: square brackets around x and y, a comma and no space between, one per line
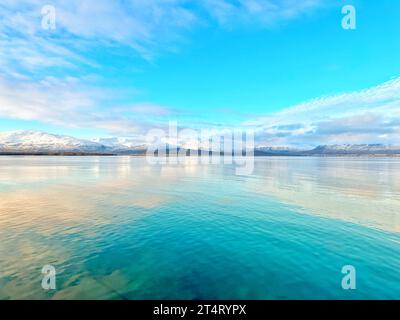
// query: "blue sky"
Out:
[285,68]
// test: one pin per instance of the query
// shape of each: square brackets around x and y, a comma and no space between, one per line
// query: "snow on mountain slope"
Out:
[120,143]
[37,141]
[356,149]
[42,141]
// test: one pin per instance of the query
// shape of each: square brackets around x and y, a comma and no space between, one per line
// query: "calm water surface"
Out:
[118,228]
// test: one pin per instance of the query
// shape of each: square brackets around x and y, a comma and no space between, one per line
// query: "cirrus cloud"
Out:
[366,116]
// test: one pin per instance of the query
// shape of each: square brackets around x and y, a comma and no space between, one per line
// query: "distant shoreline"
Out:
[56,154]
[80,154]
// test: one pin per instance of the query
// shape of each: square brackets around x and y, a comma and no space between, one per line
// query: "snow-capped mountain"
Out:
[37,141]
[42,142]
[279,151]
[120,144]
[356,149]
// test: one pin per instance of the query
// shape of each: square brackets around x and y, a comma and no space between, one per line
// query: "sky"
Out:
[285,68]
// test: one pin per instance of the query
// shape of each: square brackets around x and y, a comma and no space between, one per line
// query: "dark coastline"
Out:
[256,154]
[70,154]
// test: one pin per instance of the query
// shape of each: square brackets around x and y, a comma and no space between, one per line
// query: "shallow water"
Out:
[119,228]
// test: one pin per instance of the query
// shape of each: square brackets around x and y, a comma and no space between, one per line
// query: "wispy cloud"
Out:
[68,103]
[146,26]
[265,12]
[367,116]
[38,69]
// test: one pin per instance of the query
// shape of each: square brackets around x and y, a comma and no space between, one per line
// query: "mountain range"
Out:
[42,142]
[37,142]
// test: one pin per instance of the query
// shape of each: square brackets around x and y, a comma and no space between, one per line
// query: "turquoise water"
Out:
[119,228]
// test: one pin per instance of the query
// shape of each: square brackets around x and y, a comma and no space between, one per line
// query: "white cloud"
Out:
[143,25]
[30,90]
[64,102]
[31,56]
[265,12]
[367,116]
